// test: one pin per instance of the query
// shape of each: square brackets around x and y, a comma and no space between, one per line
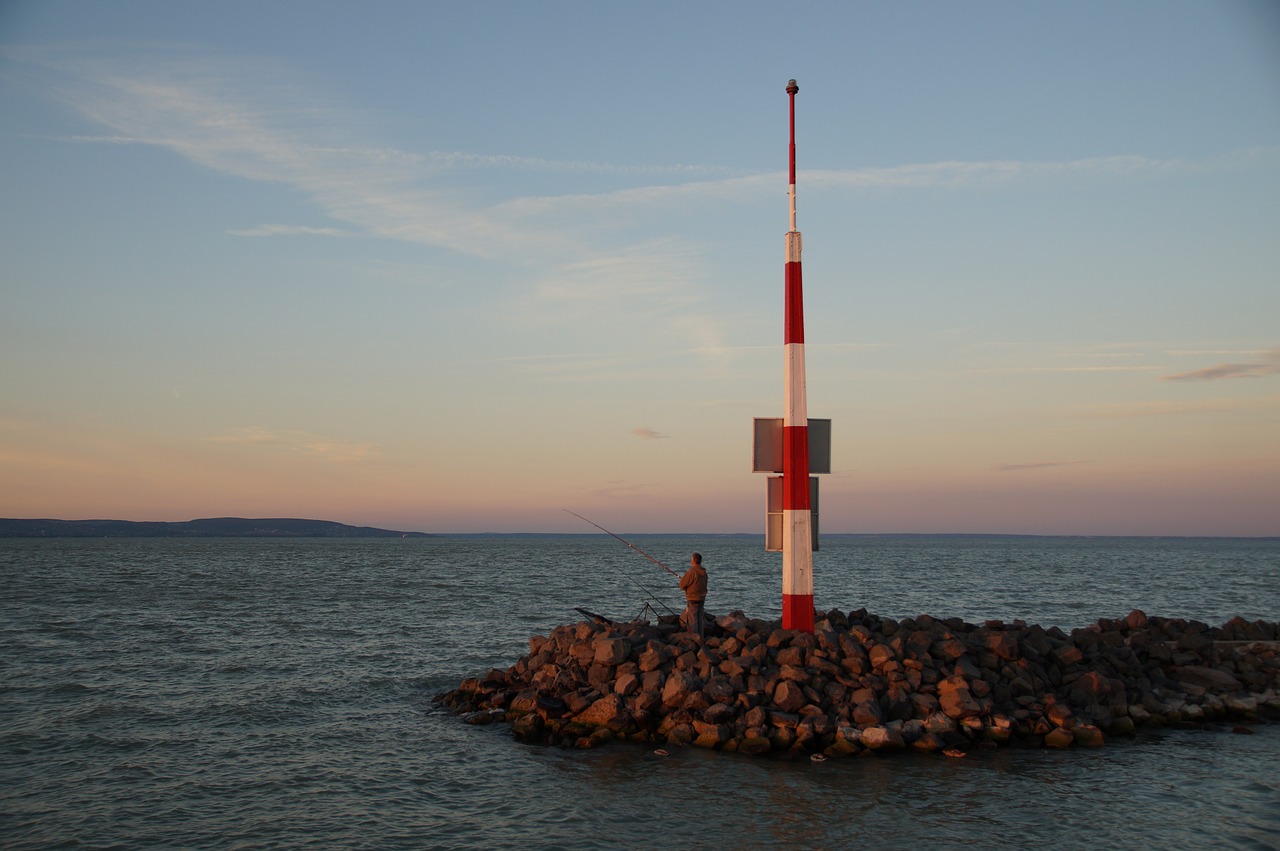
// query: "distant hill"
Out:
[213,527]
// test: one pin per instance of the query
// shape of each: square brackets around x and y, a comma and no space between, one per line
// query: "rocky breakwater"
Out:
[866,684]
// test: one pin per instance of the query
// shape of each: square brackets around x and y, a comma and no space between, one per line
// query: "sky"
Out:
[453,267]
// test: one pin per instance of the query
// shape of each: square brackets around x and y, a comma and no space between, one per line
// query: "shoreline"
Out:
[864,684]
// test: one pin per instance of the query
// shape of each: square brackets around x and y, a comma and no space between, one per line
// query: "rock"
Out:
[680,734]
[678,688]
[956,701]
[1060,715]
[1240,706]
[929,742]
[786,720]
[708,735]
[923,682]
[719,713]
[1002,645]
[608,711]
[528,726]
[793,673]
[1068,655]
[879,654]
[949,649]
[789,696]
[1000,730]
[1087,736]
[753,744]
[790,656]
[626,684]
[719,690]
[867,714]
[1210,679]
[611,651]
[1059,738]
[882,739]
[653,657]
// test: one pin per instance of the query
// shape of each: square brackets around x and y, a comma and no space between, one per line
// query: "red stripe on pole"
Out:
[794,298]
[797,612]
[795,481]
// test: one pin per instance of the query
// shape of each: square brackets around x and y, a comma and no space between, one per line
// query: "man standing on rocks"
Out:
[694,585]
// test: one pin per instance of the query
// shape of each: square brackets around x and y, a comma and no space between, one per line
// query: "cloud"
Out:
[1269,365]
[299,442]
[288,230]
[1013,468]
[259,120]
[1074,369]
[649,434]
[957,173]
[256,119]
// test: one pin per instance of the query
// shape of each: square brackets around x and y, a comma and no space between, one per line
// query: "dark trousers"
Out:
[692,618]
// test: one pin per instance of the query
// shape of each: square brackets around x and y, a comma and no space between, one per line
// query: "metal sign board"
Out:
[773,514]
[767,454]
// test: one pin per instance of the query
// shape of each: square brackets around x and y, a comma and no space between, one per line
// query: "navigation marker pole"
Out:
[797,531]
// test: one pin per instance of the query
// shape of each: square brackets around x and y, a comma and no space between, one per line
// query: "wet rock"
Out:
[1240,707]
[1087,736]
[882,739]
[754,743]
[929,742]
[1059,738]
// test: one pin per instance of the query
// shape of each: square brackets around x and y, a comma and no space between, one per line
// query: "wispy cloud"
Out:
[299,442]
[1269,364]
[959,173]
[648,434]
[259,120]
[288,230]
[1040,465]
[255,119]
[1074,369]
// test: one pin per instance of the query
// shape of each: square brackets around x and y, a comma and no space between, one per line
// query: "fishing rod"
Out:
[630,578]
[628,543]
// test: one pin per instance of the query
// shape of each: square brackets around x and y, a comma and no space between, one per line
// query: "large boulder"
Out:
[789,696]
[679,686]
[882,739]
[955,699]
[608,711]
[611,651]
[1210,679]
[1059,738]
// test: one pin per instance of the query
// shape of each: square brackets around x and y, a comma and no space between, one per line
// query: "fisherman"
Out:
[694,586]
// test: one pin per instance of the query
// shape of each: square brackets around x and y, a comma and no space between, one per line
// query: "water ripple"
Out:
[276,694]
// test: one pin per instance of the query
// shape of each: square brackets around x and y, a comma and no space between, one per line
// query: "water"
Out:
[276,694]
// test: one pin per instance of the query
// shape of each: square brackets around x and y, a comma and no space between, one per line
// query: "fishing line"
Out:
[625,541]
[629,577]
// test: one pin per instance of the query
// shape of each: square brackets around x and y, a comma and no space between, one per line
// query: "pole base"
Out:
[797,612]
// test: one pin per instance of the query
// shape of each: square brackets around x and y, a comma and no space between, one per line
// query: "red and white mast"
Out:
[797,530]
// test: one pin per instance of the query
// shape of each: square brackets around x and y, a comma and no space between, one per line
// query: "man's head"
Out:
[697,559]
